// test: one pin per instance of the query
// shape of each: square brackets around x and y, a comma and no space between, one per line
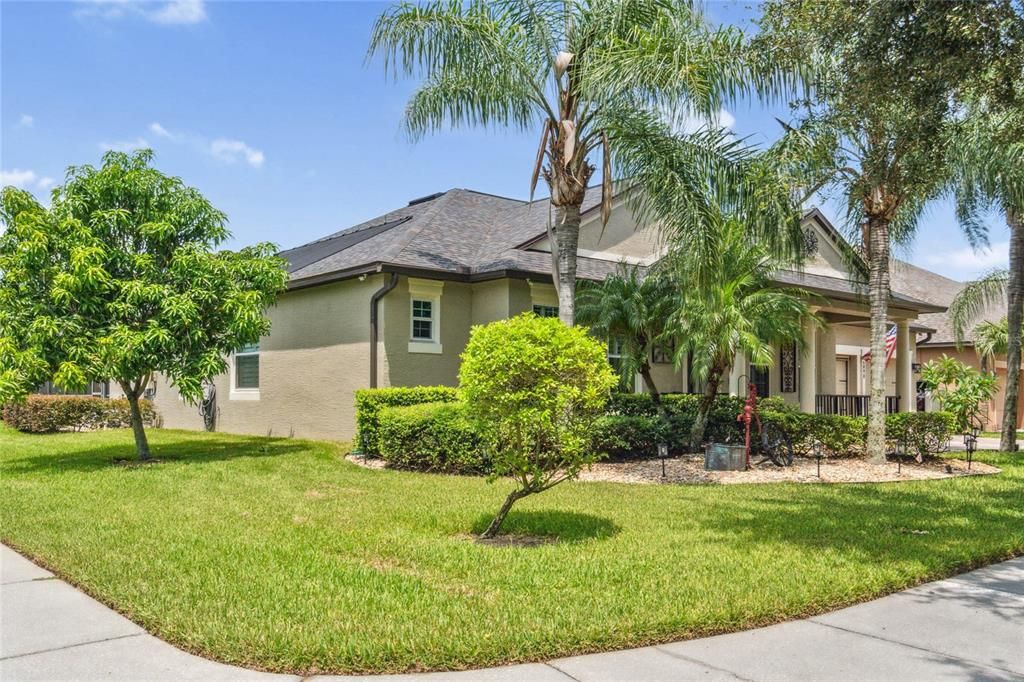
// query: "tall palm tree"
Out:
[571,68]
[988,159]
[737,310]
[630,309]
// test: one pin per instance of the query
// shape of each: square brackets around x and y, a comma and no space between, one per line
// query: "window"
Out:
[615,349]
[545,310]
[247,367]
[422,320]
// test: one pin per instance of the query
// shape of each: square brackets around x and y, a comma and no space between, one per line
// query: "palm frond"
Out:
[971,301]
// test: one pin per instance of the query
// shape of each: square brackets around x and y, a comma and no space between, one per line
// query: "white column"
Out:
[736,373]
[904,375]
[809,368]
[827,359]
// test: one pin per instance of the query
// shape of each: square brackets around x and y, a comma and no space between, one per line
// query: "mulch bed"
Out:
[690,469]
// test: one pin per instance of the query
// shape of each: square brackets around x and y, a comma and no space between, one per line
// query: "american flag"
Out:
[890,346]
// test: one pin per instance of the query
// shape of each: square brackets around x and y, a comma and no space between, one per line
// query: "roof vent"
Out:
[429,197]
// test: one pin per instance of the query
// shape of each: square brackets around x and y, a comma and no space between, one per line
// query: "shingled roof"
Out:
[934,288]
[466,235]
[458,234]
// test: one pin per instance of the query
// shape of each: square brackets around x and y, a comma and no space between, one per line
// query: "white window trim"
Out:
[243,393]
[426,290]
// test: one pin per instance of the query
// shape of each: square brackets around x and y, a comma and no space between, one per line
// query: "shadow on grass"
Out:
[942,525]
[557,526]
[67,456]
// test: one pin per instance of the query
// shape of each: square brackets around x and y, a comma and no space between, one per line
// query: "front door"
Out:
[843,376]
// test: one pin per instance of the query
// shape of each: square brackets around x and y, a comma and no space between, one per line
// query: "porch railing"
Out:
[851,405]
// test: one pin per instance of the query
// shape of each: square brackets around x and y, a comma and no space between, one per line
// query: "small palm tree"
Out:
[593,75]
[631,309]
[991,339]
[741,311]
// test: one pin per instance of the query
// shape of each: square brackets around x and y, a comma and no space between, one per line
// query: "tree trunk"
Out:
[567,236]
[1014,313]
[878,297]
[495,526]
[707,401]
[645,373]
[141,443]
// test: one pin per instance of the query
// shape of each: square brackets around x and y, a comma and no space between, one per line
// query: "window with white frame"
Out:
[422,320]
[247,368]
[615,351]
[425,315]
[545,310]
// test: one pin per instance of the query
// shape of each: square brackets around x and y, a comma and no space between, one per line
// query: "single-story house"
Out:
[941,290]
[390,302]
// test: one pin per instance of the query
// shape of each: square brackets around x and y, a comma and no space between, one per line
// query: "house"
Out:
[390,302]
[941,290]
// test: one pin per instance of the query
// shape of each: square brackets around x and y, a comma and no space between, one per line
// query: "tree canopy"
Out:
[120,278]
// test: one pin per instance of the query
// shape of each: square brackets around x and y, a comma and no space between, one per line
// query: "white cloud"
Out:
[689,123]
[19,178]
[231,151]
[26,121]
[25,179]
[172,12]
[160,131]
[125,145]
[970,263]
[180,12]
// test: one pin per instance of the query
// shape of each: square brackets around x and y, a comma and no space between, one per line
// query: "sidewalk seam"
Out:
[709,666]
[70,646]
[30,580]
[557,669]
[915,646]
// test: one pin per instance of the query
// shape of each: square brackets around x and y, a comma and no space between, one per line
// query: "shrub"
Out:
[48,413]
[430,437]
[535,388]
[961,390]
[370,401]
[923,433]
[630,435]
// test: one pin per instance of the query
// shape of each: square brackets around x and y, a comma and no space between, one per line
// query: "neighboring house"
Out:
[941,290]
[390,302]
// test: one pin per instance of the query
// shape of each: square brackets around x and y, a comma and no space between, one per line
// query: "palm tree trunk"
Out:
[132,392]
[1014,313]
[707,401]
[567,236]
[878,297]
[645,373]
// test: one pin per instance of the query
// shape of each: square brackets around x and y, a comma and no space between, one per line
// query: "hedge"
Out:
[437,437]
[48,413]
[430,437]
[370,401]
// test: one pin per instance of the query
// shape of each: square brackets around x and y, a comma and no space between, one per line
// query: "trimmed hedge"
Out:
[370,401]
[430,437]
[437,436]
[49,413]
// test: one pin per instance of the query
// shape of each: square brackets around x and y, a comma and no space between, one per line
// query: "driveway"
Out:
[970,627]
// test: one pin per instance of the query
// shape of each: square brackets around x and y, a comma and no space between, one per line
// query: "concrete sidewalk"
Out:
[970,627]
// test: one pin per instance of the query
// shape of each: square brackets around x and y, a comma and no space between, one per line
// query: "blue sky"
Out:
[271,110]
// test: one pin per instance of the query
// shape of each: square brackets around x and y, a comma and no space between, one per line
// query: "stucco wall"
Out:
[405,368]
[311,363]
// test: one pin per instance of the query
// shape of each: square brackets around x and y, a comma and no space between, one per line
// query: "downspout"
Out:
[374,318]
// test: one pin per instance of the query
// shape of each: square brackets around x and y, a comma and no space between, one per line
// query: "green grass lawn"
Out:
[278,554]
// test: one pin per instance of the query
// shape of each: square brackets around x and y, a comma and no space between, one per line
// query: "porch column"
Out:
[809,368]
[827,359]
[904,375]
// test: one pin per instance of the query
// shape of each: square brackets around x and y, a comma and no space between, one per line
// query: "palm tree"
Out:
[574,68]
[740,311]
[991,339]
[988,158]
[879,116]
[631,309]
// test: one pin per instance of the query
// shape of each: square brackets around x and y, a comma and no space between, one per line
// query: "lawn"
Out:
[278,554]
